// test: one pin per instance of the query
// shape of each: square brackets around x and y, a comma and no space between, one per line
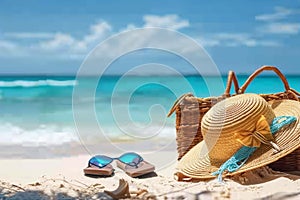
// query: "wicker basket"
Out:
[190,110]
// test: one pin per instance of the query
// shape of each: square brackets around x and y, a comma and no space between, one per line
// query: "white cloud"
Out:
[67,46]
[281,28]
[280,13]
[11,48]
[234,40]
[7,45]
[169,41]
[59,41]
[269,43]
[29,35]
[171,21]
[97,32]
[8,48]
[129,27]
[60,44]
[232,36]
[274,26]
[135,40]
[167,21]
[208,42]
[62,41]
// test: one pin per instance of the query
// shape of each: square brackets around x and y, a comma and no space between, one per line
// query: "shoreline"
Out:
[76,149]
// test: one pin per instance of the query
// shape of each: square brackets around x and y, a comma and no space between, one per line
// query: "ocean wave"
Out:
[42,136]
[38,83]
[53,135]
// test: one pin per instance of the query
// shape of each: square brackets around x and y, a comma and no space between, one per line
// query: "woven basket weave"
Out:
[190,110]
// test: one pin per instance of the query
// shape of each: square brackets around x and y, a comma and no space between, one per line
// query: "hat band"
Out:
[253,138]
[242,155]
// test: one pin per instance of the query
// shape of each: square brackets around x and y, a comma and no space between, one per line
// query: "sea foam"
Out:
[41,136]
[38,83]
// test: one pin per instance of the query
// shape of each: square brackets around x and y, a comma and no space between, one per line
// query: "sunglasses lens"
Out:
[100,161]
[131,159]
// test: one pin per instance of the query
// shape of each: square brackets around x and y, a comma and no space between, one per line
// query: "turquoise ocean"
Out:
[38,112]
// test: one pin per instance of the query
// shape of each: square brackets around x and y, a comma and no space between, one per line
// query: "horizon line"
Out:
[133,75]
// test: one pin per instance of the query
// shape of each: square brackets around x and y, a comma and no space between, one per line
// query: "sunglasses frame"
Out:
[132,164]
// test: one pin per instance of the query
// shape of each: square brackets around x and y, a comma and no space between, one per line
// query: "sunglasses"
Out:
[131,159]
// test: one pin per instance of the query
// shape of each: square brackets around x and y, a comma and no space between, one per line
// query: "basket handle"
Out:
[178,101]
[258,71]
[231,78]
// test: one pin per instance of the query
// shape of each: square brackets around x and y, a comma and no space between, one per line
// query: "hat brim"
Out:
[196,163]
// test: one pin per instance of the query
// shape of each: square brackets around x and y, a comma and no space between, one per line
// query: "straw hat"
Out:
[224,127]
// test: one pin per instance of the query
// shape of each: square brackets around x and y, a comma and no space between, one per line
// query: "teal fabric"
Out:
[242,155]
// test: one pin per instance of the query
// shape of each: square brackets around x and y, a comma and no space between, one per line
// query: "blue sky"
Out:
[54,37]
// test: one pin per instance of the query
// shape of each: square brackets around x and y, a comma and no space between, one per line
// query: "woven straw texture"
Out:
[238,113]
[190,111]
[206,158]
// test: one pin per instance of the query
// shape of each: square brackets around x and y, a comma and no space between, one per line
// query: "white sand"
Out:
[63,178]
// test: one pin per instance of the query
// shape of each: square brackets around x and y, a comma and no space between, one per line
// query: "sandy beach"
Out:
[63,178]
[86,78]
